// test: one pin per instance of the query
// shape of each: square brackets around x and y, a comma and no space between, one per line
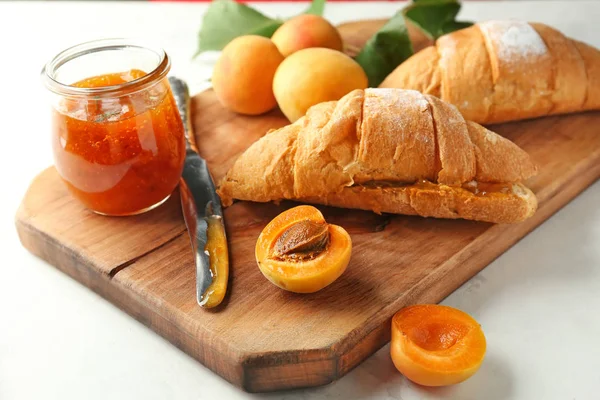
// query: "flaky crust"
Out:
[500,71]
[341,152]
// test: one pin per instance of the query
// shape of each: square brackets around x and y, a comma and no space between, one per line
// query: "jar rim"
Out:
[94,46]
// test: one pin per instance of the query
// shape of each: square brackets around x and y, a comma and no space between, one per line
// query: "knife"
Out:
[202,212]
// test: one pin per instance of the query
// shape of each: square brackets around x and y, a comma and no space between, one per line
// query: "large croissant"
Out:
[505,70]
[388,150]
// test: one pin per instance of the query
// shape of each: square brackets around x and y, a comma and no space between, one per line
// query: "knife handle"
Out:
[181,93]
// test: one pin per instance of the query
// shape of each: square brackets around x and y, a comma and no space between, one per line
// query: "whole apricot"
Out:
[315,75]
[435,345]
[306,31]
[243,76]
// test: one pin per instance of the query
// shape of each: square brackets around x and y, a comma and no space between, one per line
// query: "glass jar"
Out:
[117,137]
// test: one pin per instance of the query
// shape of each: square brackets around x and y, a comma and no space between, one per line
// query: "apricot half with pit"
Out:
[435,345]
[298,251]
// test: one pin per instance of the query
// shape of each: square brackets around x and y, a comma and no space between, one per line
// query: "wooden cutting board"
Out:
[263,338]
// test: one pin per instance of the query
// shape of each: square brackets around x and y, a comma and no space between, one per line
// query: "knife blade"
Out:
[202,212]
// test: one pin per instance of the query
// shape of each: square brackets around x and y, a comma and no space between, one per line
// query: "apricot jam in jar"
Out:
[117,137]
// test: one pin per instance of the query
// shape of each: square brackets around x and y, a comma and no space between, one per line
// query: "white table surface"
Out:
[538,303]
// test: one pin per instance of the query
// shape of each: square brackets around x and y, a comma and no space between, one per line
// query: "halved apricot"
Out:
[300,252]
[435,345]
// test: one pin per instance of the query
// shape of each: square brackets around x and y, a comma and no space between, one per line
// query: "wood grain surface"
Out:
[263,338]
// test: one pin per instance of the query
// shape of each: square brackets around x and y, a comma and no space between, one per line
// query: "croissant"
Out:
[388,150]
[501,71]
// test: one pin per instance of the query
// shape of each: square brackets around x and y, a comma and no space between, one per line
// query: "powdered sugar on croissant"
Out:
[500,71]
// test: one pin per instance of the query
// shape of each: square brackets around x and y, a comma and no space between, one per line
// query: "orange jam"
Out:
[119,155]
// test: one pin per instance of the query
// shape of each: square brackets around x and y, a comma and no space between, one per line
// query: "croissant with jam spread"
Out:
[500,71]
[388,150]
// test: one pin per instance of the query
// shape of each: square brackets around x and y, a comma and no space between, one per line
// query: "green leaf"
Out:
[225,20]
[452,26]
[391,45]
[316,7]
[385,50]
[435,17]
